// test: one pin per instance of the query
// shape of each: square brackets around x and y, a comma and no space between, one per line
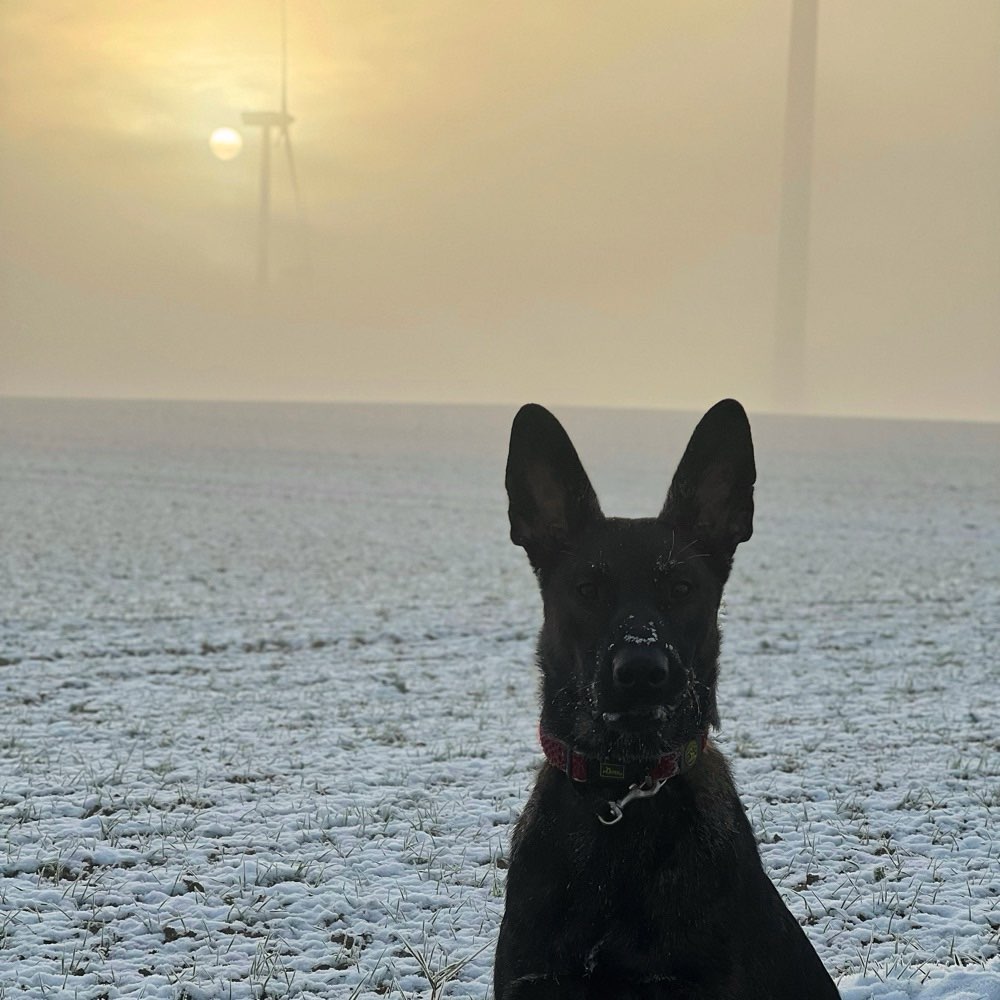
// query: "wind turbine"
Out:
[793,237]
[267,120]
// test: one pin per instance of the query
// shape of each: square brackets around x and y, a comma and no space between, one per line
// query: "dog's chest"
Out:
[635,886]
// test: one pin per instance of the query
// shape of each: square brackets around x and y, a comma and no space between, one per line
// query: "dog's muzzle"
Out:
[646,681]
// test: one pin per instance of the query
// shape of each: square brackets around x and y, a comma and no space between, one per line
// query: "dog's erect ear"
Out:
[551,498]
[712,489]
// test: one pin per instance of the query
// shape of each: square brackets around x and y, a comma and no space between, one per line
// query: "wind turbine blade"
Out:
[300,217]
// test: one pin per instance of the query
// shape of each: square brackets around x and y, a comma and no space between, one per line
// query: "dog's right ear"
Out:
[550,496]
[712,490]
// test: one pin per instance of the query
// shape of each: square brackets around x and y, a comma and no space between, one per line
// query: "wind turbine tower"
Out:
[266,121]
[793,238]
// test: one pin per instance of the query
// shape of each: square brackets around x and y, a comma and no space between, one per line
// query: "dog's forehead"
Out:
[628,546]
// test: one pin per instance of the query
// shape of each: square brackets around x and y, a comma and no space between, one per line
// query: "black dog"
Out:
[634,872]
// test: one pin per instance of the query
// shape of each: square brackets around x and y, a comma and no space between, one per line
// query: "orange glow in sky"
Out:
[571,202]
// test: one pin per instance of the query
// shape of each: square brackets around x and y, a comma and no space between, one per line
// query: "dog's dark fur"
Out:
[671,901]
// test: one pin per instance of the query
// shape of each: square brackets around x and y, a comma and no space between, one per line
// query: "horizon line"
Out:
[485,404]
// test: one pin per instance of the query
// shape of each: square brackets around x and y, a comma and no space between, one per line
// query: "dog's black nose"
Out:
[638,669]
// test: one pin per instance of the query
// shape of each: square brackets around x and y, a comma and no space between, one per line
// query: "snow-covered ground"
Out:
[267,701]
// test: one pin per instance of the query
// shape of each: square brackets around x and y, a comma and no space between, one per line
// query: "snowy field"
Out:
[268,703]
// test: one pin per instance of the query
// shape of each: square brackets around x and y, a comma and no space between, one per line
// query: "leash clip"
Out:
[646,789]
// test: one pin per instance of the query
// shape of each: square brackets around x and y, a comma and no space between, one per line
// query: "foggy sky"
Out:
[573,202]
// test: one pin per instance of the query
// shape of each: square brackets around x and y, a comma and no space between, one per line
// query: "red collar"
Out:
[563,757]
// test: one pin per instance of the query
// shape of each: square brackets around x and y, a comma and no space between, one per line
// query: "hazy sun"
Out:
[226,143]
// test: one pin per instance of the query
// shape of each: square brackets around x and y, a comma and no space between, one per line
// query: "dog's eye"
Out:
[680,589]
[587,589]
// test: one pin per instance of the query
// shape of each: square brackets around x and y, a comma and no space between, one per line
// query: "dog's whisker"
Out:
[694,541]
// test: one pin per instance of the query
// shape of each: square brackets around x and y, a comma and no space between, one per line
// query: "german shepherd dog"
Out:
[634,872]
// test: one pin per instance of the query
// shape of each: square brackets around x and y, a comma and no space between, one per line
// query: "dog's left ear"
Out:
[712,489]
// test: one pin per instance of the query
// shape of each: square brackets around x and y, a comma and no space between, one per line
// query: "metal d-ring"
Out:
[644,790]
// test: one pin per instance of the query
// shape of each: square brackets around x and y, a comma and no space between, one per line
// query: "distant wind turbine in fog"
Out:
[793,236]
[266,120]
